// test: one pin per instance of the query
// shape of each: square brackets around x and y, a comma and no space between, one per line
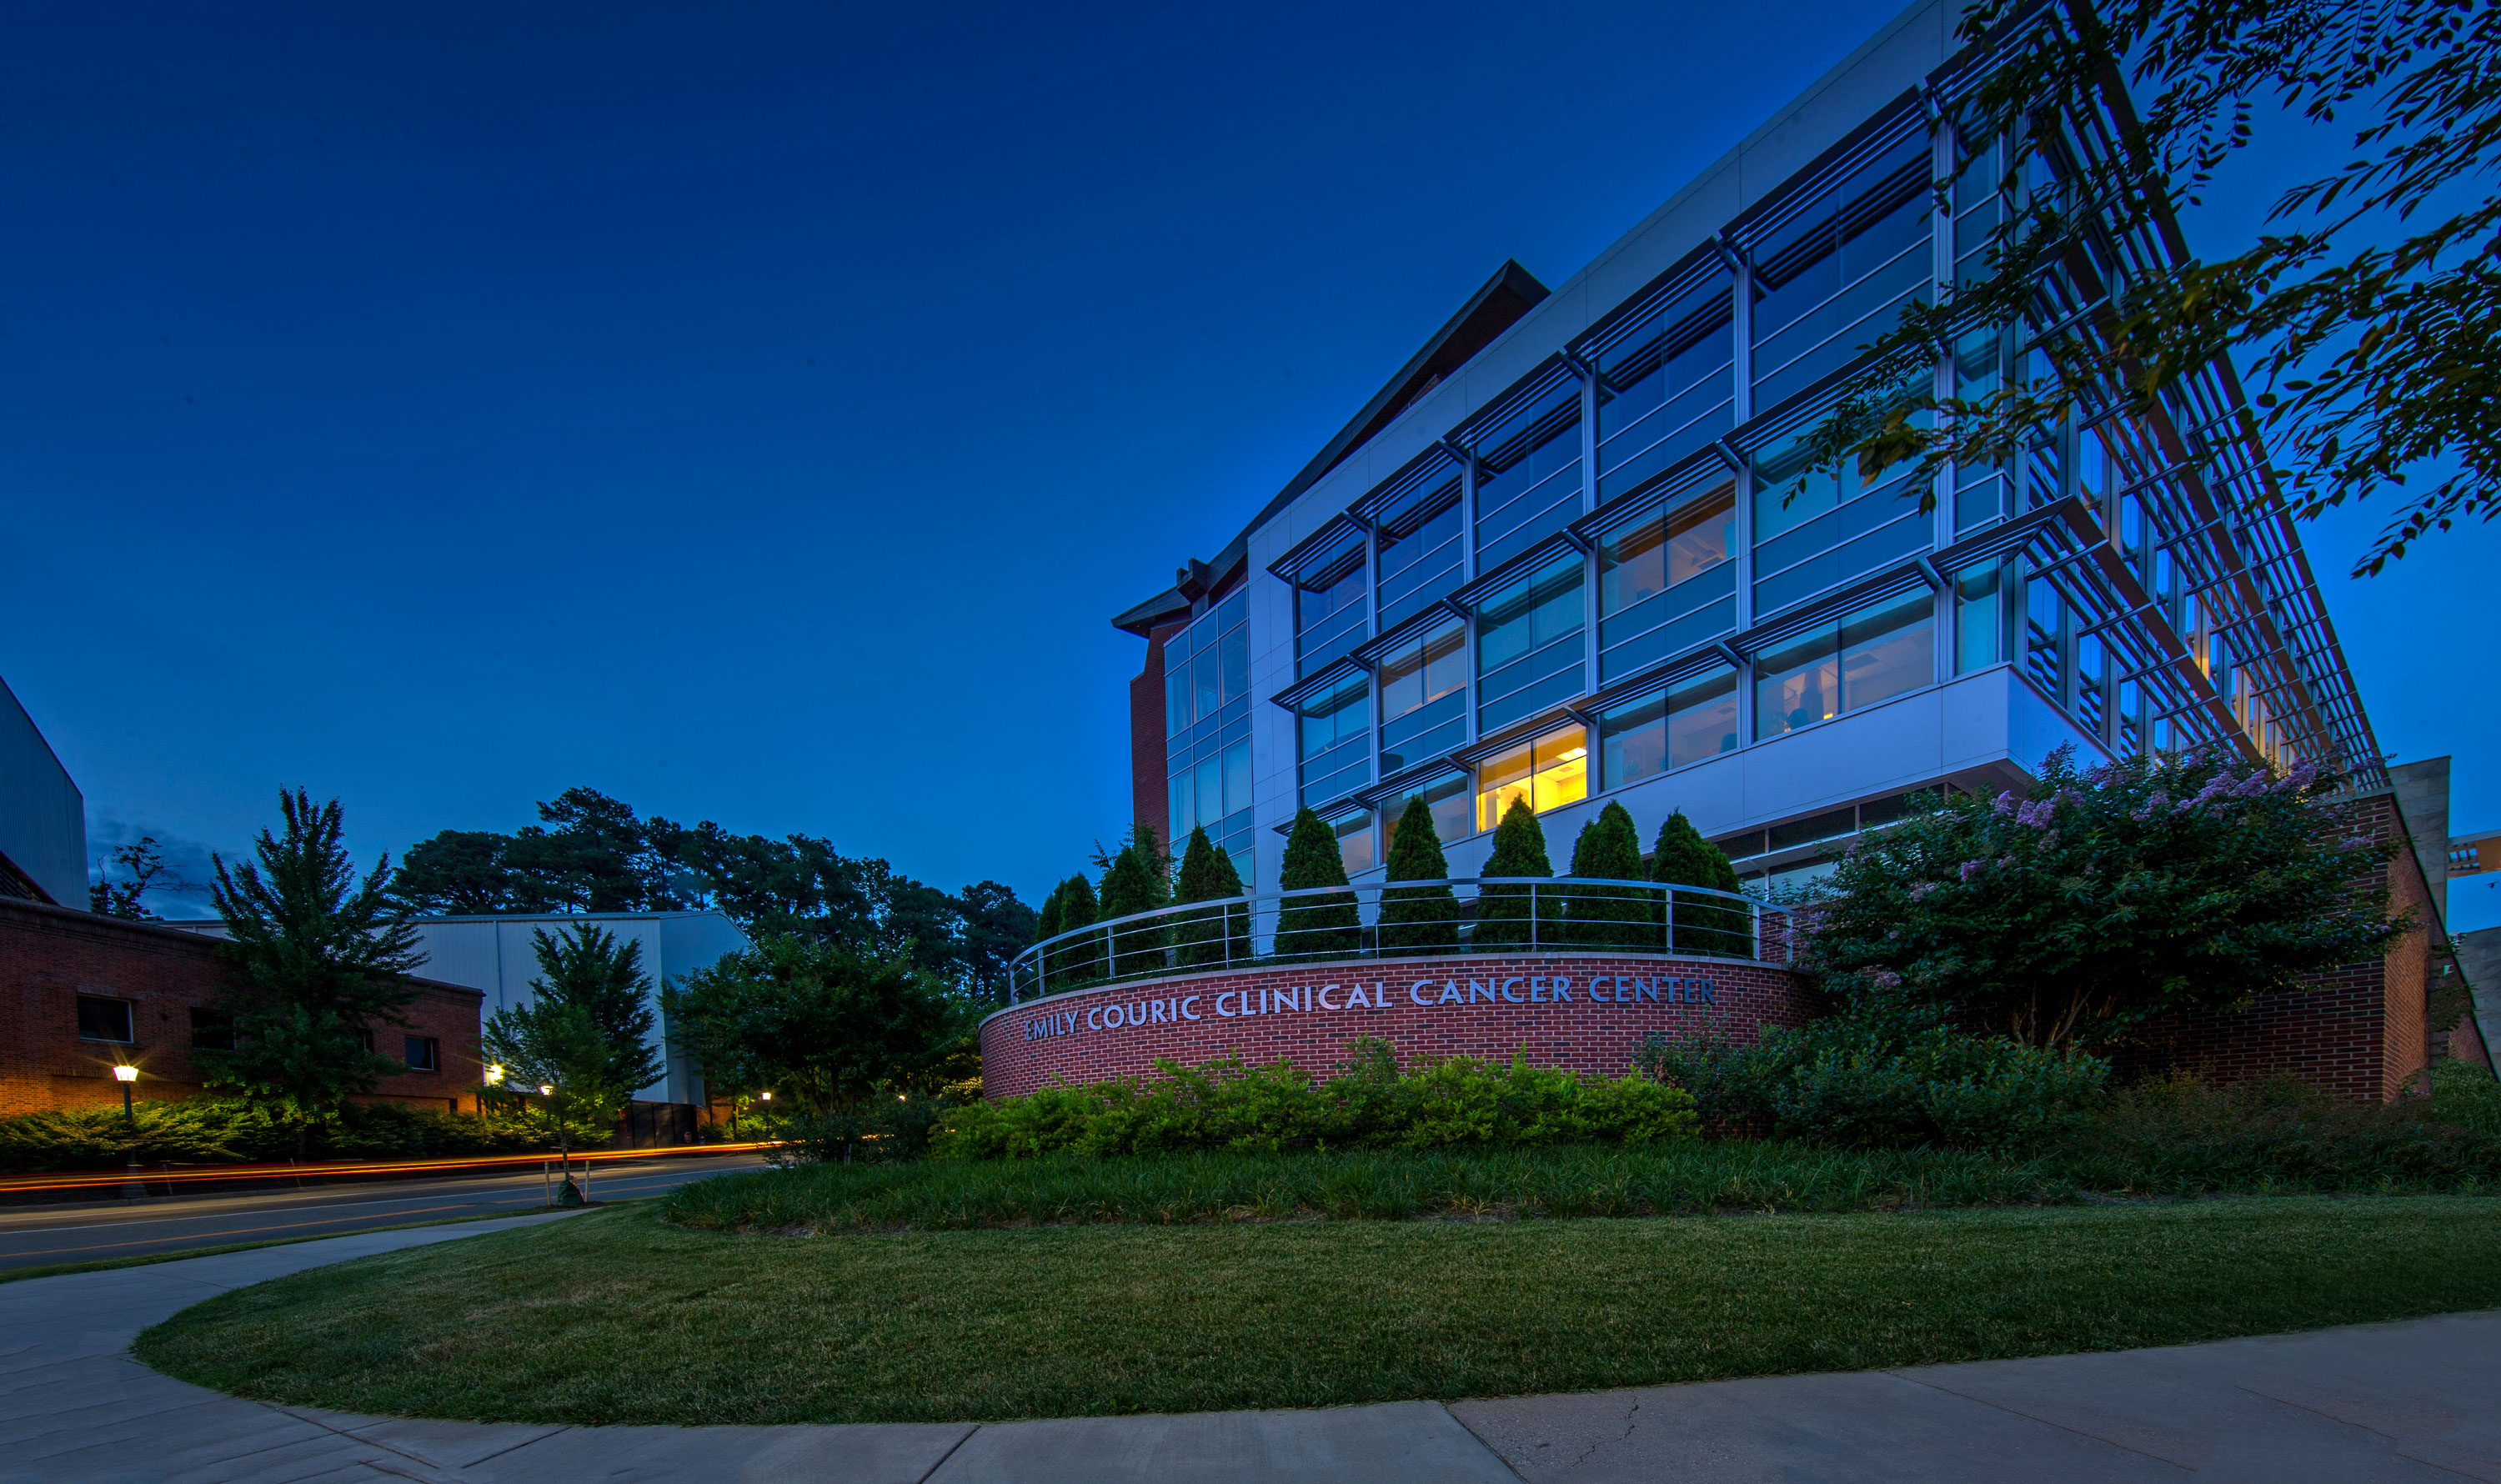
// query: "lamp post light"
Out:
[132,1187]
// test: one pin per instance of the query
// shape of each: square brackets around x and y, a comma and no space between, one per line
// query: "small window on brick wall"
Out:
[424,1053]
[105,1020]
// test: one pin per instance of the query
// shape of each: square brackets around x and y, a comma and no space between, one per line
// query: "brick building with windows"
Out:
[81,993]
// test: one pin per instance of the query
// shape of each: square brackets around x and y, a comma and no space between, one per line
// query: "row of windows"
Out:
[1856,660]
[114,1022]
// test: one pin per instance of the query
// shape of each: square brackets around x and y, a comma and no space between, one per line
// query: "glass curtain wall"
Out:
[1449,802]
[1837,275]
[1665,388]
[1330,612]
[1815,528]
[1423,699]
[1531,643]
[1528,468]
[1690,719]
[1207,730]
[1667,582]
[1872,654]
[1334,732]
[1420,524]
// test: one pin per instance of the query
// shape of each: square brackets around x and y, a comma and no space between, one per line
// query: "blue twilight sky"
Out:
[756,412]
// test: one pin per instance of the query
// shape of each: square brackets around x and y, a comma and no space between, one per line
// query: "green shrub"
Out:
[1324,926]
[2180,1136]
[1884,1082]
[1503,911]
[1454,1103]
[2467,1096]
[210,1130]
[1418,919]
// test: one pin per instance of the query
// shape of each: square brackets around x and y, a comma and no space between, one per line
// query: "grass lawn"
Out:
[617,1317]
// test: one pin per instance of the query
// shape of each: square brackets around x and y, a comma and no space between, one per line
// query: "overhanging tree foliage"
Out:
[2103,899]
[818,1024]
[587,968]
[2368,312]
[1325,925]
[318,959]
[592,853]
[1421,919]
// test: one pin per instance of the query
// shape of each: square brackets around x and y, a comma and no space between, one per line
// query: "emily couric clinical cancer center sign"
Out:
[1562,1009]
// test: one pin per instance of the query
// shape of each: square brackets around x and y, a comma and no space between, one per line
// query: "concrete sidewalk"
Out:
[2399,1402]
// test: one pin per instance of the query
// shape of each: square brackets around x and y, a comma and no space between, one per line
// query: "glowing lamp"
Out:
[547,1090]
[125,1074]
[495,1073]
[766,1096]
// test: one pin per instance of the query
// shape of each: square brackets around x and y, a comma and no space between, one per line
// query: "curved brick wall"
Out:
[1478,1005]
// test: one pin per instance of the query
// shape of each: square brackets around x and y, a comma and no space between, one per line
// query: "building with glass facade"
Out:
[1571,551]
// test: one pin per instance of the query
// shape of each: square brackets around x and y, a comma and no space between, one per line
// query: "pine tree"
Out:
[1218,934]
[1418,918]
[1609,848]
[1503,911]
[1136,880]
[319,959]
[1703,925]
[1080,960]
[590,968]
[1316,927]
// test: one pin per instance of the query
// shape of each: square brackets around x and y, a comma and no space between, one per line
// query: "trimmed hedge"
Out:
[209,1131]
[1457,1103]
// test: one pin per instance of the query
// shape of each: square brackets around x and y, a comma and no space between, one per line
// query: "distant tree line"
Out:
[590,853]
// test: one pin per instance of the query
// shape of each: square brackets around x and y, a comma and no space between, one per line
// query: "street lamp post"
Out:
[132,1187]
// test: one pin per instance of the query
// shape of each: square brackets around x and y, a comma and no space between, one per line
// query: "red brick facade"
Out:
[1480,1006]
[2360,1033]
[51,956]
[1150,801]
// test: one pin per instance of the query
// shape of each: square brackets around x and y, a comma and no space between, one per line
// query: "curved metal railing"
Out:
[1405,919]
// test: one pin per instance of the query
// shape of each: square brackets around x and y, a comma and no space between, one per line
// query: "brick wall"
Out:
[1480,1006]
[2358,1031]
[51,955]
[1150,801]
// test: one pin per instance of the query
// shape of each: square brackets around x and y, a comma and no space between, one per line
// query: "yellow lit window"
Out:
[1550,772]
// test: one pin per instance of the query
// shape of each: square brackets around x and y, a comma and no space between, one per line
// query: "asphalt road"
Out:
[35,1237]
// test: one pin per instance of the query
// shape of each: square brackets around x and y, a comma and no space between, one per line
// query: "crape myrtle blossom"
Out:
[2096,900]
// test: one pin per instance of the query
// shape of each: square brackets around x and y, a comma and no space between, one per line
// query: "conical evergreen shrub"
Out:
[1503,911]
[1419,920]
[1134,881]
[1703,925]
[1609,848]
[1316,927]
[1218,934]
[1080,960]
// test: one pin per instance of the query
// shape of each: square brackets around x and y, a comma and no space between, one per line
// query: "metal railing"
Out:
[1405,920]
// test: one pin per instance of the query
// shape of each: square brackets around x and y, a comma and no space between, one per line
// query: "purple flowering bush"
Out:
[2102,898]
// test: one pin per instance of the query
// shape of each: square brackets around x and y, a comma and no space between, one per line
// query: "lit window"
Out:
[1549,773]
[1877,652]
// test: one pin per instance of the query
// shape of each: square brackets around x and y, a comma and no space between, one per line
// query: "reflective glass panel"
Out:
[1702,716]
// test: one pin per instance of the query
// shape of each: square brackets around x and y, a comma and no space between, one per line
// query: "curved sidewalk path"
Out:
[2416,1401]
